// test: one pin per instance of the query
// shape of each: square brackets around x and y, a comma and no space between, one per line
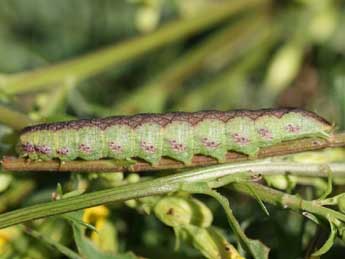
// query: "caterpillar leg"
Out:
[254,155]
[220,157]
[61,163]
[251,151]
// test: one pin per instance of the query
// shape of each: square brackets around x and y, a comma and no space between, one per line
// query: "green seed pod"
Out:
[281,182]
[209,242]
[175,211]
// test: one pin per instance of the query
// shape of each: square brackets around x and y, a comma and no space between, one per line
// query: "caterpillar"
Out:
[178,135]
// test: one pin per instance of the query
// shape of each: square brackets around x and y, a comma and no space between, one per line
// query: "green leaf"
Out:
[228,179]
[128,255]
[329,242]
[73,193]
[311,216]
[76,216]
[85,247]
[255,247]
[262,205]
[328,190]
[209,241]
[59,189]
[51,242]
[341,202]
[76,219]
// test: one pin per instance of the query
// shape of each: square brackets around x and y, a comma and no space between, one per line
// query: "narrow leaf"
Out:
[256,248]
[328,190]
[329,242]
[47,240]
[262,205]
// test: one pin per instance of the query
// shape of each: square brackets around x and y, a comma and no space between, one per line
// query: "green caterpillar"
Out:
[178,135]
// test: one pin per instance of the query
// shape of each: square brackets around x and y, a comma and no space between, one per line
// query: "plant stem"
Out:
[284,148]
[226,84]
[285,200]
[13,119]
[93,63]
[19,190]
[255,247]
[173,183]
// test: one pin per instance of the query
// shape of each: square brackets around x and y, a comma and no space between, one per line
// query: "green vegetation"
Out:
[82,58]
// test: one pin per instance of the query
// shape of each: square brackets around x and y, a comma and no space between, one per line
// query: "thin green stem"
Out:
[93,63]
[285,200]
[56,99]
[16,193]
[13,119]
[227,83]
[255,247]
[165,185]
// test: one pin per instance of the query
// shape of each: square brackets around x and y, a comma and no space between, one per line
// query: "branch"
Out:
[168,184]
[285,200]
[285,148]
[13,119]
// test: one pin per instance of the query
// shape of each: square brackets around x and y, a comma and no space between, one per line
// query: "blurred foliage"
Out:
[222,55]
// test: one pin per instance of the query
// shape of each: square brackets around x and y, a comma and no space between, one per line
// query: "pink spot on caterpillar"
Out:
[116,148]
[147,147]
[45,150]
[85,149]
[177,147]
[241,140]
[292,129]
[209,143]
[265,133]
[62,151]
[28,148]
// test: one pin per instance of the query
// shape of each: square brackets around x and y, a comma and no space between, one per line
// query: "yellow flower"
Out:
[6,236]
[105,236]
[94,214]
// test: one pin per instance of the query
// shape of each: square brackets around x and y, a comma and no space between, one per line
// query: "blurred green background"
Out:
[82,58]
